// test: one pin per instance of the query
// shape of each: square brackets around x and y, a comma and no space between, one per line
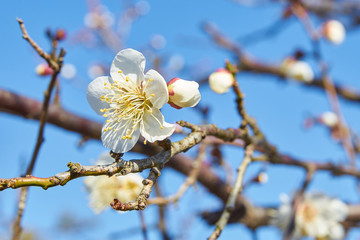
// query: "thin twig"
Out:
[55,64]
[297,199]
[329,87]
[236,190]
[143,225]
[162,215]
[141,201]
[190,180]
[52,62]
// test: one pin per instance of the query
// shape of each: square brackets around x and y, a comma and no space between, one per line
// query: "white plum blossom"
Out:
[329,119]
[221,81]
[130,101]
[68,71]
[317,216]
[103,189]
[297,69]
[96,70]
[99,17]
[334,31]
[183,93]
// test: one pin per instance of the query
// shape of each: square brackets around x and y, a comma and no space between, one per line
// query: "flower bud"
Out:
[261,178]
[183,93]
[43,69]
[60,34]
[221,81]
[299,70]
[329,119]
[334,31]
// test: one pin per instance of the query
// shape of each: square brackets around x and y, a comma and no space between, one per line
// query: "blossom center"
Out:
[127,105]
[308,212]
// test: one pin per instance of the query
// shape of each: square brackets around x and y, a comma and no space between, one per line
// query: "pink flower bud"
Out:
[43,69]
[221,81]
[183,93]
[334,31]
[60,34]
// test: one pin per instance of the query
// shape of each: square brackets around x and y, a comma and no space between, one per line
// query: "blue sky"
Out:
[279,108]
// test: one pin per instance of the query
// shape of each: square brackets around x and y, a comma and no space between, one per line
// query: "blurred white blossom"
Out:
[221,81]
[142,7]
[103,189]
[176,63]
[158,42]
[317,216]
[100,17]
[329,119]
[334,31]
[130,101]
[68,71]
[96,70]
[297,69]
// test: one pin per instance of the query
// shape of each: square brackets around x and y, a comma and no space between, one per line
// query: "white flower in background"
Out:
[317,216]
[176,63]
[96,70]
[68,71]
[142,7]
[221,81]
[334,31]
[183,93]
[99,17]
[299,70]
[329,119]
[158,42]
[103,189]
[130,101]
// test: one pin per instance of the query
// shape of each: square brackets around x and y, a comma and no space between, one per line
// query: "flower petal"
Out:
[105,159]
[150,127]
[131,63]
[95,90]
[113,139]
[156,89]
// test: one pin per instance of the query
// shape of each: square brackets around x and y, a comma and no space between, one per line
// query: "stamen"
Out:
[128,103]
